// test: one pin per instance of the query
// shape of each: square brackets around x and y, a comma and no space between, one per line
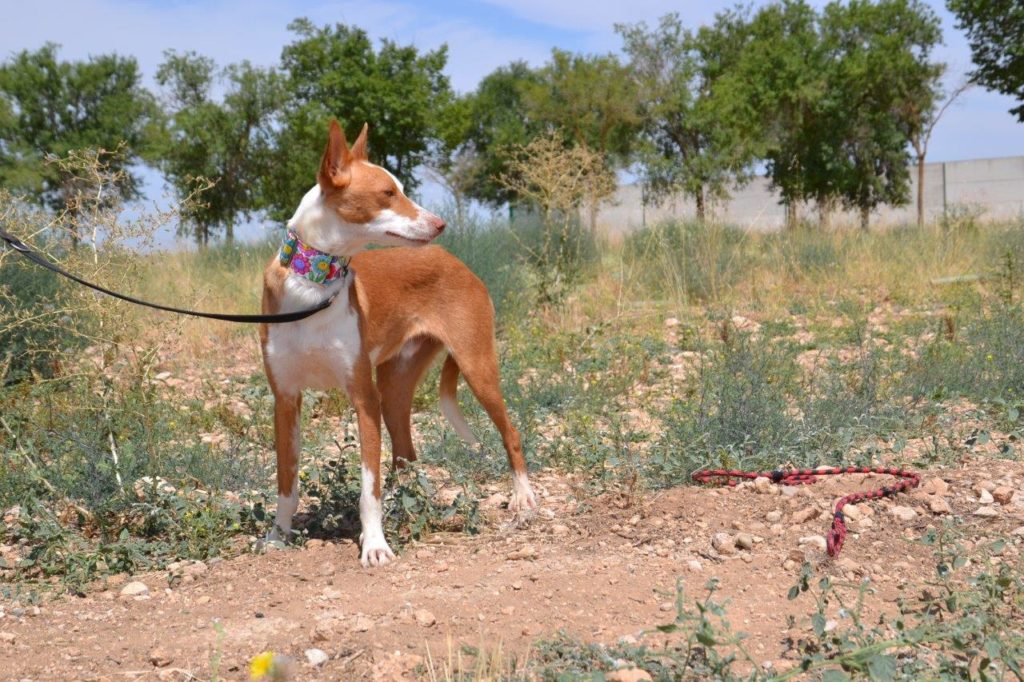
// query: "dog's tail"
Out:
[450,403]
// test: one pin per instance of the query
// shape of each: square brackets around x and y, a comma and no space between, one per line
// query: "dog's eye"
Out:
[389,192]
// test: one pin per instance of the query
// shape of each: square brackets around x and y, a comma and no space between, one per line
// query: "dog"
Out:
[394,311]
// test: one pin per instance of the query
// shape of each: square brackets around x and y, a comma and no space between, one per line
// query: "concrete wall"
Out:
[994,188]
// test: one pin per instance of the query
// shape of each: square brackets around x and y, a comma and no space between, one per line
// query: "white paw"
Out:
[376,553]
[522,500]
[277,535]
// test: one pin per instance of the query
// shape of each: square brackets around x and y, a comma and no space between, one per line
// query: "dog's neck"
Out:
[311,263]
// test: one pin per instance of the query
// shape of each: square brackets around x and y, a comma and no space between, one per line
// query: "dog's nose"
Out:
[438,224]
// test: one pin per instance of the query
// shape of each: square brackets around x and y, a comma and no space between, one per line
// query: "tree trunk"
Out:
[920,191]
[593,214]
[791,214]
[865,217]
[702,211]
[825,207]
[229,232]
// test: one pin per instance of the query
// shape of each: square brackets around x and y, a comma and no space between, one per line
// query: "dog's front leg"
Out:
[366,400]
[287,410]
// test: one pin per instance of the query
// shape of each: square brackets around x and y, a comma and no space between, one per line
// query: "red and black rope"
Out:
[837,535]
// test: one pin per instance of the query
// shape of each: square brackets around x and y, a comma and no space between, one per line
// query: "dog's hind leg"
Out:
[478,362]
[397,380]
[287,412]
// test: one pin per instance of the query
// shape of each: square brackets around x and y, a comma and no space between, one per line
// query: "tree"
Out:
[226,143]
[771,95]
[592,101]
[334,72]
[453,161]
[498,121]
[925,121]
[49,108]
[880,73]
[688,146]
[995,31]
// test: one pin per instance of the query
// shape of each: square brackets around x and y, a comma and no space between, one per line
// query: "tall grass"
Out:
[711,264]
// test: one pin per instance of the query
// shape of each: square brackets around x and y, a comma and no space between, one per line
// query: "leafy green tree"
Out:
[995,31]
[499,122]
[772,94]
[453,160]
[687,145]
[592,101]
[880,73]
[225,143]
[334,72]
[50,107]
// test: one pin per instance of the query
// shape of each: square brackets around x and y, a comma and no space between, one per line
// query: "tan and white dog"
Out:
[395,310]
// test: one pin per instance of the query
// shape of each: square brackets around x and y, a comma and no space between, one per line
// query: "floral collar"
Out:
[311,263]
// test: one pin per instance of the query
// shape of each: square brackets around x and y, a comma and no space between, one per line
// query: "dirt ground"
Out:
[599,569]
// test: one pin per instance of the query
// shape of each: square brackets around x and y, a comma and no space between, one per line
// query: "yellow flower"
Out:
[261,665]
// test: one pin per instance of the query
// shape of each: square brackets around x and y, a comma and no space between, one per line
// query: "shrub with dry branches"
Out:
[557,180]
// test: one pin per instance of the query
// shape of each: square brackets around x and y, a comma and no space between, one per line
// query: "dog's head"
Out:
[356,203]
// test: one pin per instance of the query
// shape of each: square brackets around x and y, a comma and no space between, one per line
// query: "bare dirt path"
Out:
[598,569]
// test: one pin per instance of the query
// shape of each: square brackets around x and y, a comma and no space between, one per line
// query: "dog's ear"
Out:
[359,150]
[334,166]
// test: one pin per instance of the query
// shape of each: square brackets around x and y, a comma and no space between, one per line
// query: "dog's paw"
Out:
[376,553]
[522,499]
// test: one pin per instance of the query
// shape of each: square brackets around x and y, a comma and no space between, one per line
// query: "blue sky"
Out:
[481,35]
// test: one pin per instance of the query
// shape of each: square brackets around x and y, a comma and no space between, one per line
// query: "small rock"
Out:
[1003,494]
[831,625]
[7,638]
[1018,532]
[424,618]
[851,512]
[517,585]
[723,543]
[939,505]
[524,552]
[316,657]
[559,529]
[628,675]
[332,593]
[362,624]
[986,512]
[984,485]
[773,516]
[903,513]
[134,589]
[806,514]
[744,541]
[985,497]
[694,566]
[322,632]
[816,540]
[194,569]
[205,599]
[160,658]
[763,485]
[935,486]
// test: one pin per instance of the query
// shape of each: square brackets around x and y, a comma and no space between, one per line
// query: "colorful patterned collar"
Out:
[311,263]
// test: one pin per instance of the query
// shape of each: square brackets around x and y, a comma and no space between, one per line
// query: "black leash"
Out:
[38,259]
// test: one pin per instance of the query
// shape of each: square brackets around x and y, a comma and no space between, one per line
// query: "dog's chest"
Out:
[318,352]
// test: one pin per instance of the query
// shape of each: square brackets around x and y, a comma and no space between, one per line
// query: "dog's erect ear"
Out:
[359,151]
[334,167]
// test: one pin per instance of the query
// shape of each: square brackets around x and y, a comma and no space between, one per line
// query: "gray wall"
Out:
[992,188]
